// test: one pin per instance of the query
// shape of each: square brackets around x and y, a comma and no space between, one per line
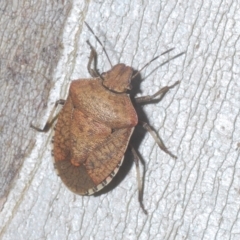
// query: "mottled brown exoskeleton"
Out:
[94,128]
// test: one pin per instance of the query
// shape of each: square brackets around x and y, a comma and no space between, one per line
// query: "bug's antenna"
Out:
[99,42]
[157,58]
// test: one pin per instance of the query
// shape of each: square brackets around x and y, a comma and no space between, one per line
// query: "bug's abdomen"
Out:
[87,152]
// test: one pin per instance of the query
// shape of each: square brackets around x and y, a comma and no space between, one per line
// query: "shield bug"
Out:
[95,125]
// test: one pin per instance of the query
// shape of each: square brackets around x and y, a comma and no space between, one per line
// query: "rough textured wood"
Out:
[30,48]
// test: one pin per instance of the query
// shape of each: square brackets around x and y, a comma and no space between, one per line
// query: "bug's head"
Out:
[118,79]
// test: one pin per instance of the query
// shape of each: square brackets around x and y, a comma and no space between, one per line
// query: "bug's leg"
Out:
[50,120]
[160,93]
[92,58]
[157,139]
[140,183]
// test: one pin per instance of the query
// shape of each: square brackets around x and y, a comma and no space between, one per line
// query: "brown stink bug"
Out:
[94,128]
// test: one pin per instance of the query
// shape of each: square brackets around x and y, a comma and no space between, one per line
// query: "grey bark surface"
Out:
[196,196]
[30,49]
